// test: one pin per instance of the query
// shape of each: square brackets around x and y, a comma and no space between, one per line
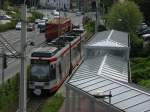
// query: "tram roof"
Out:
[47,49]
[44,52]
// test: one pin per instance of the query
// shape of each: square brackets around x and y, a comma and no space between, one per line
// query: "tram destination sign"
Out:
[38,61]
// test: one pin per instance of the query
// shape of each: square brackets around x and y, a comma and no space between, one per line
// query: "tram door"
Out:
[60,70]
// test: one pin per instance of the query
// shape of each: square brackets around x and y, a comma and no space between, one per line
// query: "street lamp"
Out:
[100,95]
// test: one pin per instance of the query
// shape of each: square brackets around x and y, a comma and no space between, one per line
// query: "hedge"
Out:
[35,15]
[7,26]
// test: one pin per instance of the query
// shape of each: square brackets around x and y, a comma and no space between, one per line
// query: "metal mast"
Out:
[23,88]
[59,27]
[97,15]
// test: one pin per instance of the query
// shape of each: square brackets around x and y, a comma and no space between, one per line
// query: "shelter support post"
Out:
[73,101]
[67,104]
[78,102]
[92,106]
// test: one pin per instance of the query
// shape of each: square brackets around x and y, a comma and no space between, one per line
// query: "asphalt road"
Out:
[13,37]
[76,20]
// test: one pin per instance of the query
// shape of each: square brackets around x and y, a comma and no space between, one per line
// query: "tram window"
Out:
[53,72]
[79,48]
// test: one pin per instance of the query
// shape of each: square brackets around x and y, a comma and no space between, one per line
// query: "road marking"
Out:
[15,41]
[13,60]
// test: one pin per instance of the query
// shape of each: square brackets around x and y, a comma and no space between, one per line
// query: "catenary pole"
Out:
[96,11]
[97,15]
[2,65]
[23,89]
[59,26]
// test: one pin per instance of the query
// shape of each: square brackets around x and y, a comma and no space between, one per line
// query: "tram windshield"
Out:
[40,72]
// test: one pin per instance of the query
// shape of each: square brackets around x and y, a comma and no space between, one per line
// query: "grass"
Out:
[53,104]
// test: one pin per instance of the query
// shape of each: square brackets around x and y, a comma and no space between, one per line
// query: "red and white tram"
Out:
[51,64]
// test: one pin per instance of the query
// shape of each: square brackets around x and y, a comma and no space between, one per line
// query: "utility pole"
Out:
[3,65]
[23,88]
[97,15]
[59,27]
[79,5]
[1,4]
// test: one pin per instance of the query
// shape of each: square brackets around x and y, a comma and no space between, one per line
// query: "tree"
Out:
[18,2]
[107,4]
[145,8]
[124,16]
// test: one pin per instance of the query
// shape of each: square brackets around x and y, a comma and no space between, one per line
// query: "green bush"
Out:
[141,74]
[7,26]
[140,69]
[145,83]
[35,15]
[89,26]
[9,92]
[101,28]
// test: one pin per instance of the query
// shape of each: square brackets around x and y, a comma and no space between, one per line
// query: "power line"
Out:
[8,46]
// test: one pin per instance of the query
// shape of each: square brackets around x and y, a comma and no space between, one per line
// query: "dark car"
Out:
[42,29]
[31,27]
[76,26]
[144,31]
[41,23]
[78,13]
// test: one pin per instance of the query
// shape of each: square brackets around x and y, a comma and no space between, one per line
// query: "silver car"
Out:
[18,26]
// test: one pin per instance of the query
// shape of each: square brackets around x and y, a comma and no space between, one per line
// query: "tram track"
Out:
[35,104]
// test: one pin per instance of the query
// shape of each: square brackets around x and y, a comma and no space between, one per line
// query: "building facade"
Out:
[56,4]
[83,5]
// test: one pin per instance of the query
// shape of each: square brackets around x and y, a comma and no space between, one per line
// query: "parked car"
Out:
[78,13]
[76,26]
[142,28]
[42,29]
[41,23]
[18,26]
[5,17]
[45,18]
[55,13]
[144,31]
[146,37]
[37,21]
[56,16]
[30,27]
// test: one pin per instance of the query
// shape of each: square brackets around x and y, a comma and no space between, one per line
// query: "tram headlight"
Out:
[46,83]
[37,92]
